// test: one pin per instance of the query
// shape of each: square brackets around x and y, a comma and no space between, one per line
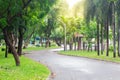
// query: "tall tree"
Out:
[118,24]
[11,14]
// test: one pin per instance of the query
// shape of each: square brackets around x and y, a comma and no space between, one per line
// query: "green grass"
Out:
[39,48]
[91,55]
[33,48]
[28,70]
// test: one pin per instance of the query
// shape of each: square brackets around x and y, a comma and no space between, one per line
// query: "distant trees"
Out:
[104,12]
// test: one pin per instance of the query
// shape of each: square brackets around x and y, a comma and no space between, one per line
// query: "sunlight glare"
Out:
[71,3]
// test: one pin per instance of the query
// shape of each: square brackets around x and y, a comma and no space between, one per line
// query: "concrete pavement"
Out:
[75,68]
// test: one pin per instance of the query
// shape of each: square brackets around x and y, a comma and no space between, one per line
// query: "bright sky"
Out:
[72,2]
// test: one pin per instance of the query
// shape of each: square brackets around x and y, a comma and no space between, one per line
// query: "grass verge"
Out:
[92,55]
[39,48]
[29,70]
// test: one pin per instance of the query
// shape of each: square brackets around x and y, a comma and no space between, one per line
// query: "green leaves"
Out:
[3,22]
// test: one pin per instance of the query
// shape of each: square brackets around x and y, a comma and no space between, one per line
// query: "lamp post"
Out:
[64,27]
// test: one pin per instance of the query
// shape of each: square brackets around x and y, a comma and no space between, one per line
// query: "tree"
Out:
[118,24]
[10,11]
[91,13]
[12,21]
[57,35]
[105,12]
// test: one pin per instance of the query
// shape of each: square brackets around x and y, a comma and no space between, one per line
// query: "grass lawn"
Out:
[39,48]
[29,70]
[91,55]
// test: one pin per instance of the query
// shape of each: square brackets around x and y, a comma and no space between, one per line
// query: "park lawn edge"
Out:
[43,65]
[39,48]
[94,57]
[28,70]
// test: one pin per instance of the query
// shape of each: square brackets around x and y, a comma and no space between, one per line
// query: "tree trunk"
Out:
[6,51]
[118,34]
[20,41]
[58,41]
[79,43]
[107,29]
[65,40]
[113,24]
[102,39]
[75,43]
[11,37]
[71,44]
[47,43]
[98,49]
[12,48]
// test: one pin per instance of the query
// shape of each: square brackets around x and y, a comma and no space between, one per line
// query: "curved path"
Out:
[76,68]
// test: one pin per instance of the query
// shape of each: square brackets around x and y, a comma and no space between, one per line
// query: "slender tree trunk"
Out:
[113,24]
[6,51]
[98,49]
[102,39]
[65,40]
[20,41]
[9,43]
[107,29]
[75,44]
[119,35]
[71,44]
[79,43]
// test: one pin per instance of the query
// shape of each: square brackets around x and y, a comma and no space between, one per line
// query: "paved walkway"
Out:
[76,68]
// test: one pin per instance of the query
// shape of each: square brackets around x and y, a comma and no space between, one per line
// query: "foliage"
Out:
[57,33]
[90,31]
